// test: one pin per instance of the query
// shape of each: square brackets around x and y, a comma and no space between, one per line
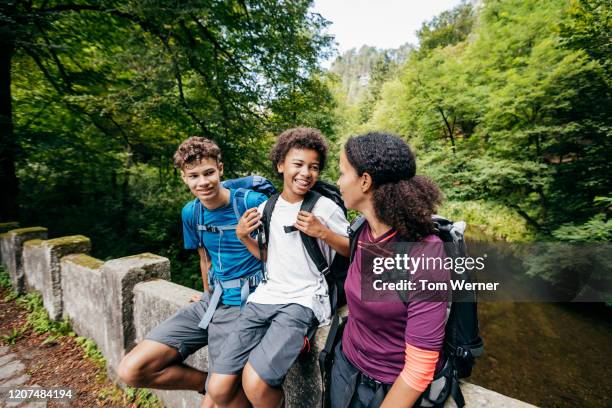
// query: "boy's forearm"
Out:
[338,242]
[251,244]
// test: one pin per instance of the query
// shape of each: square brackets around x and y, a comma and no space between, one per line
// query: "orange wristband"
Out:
[420,367]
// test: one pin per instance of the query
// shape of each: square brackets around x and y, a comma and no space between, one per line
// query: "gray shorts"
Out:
[181,330]
[269,337]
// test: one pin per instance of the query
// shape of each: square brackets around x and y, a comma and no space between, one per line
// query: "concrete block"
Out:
[303,384]
[119,276]
[82,293]
[12,252]
[5,227]
[154,302]
[42,267]
[479,397]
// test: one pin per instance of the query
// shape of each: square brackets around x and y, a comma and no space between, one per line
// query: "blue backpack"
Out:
[242,186]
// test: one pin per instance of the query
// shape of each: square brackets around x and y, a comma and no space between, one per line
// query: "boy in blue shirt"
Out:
[209,225]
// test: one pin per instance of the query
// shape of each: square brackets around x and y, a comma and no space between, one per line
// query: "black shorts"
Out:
[351,388]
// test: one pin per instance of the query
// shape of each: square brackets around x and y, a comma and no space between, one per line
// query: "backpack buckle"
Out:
[207,228]
[461,352]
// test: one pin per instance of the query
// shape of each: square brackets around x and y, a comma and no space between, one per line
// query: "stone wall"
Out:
[117,302]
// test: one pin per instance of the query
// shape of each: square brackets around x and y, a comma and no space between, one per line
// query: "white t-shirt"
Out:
[292,275]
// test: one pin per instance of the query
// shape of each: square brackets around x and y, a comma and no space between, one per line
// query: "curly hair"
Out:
[402,199]
[299,138]
[194,149]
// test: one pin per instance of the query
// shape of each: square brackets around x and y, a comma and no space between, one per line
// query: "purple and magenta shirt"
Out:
[376,333]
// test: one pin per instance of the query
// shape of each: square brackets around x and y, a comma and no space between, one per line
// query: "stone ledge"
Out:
[119,276]
[11,245]
[42,269]
[154,302]
[82,292]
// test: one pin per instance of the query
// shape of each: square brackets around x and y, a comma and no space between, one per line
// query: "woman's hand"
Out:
[310,225]
[195,298]
[249,222]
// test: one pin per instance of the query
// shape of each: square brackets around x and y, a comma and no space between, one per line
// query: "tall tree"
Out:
[144,73]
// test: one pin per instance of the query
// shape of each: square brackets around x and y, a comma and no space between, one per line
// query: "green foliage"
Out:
[5,279]
[448,28]
[15,334]
[358,69]
[103,92]
[487,221]
[515,114]
[38,318]
[596,229]
[138,397]
[91,351]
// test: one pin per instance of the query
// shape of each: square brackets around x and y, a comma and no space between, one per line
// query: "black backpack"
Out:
[462,342]
[335,274]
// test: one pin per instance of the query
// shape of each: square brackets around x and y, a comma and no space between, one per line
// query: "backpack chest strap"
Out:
[215,228]
[244,283]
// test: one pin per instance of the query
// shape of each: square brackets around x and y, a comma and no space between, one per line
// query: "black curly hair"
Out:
[402,199]
[193,150]
[300,138]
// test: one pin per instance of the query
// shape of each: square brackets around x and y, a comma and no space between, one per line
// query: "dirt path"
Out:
[58,363]
[550,355]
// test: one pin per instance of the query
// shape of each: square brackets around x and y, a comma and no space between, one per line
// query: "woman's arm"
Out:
[400,395]
[416,376]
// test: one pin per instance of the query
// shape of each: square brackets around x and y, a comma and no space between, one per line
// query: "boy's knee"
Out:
[131,371]
[222,388]
[255,388]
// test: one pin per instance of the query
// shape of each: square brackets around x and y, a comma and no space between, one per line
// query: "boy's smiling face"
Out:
[300,170]
[203,179]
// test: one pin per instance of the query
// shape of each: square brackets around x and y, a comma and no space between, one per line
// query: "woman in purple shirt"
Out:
[389,351]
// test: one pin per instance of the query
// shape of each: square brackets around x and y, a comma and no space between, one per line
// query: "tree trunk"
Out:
[8,145]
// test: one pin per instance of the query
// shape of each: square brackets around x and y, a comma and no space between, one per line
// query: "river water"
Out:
[547,354]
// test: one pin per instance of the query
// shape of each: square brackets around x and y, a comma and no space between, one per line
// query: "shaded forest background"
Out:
[507,104]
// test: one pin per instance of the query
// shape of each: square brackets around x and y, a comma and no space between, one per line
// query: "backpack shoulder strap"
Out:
[353,232]
[263,235]
[240,202]
[267,213]
[198,214]
[310,243]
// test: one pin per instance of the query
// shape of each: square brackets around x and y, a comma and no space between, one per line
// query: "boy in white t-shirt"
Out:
[270,331]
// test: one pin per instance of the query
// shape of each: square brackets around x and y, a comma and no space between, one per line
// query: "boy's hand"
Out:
[249,222]
[195,298]
[310,225]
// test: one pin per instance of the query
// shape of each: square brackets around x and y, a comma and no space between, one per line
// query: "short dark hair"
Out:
[194,149]
[299,138]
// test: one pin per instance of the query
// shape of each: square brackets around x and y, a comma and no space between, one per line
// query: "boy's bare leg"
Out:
[155,365]
[259,393]
[226,391]
[207,402]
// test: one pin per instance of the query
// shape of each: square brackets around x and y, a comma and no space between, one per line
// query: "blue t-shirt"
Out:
[230,258]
